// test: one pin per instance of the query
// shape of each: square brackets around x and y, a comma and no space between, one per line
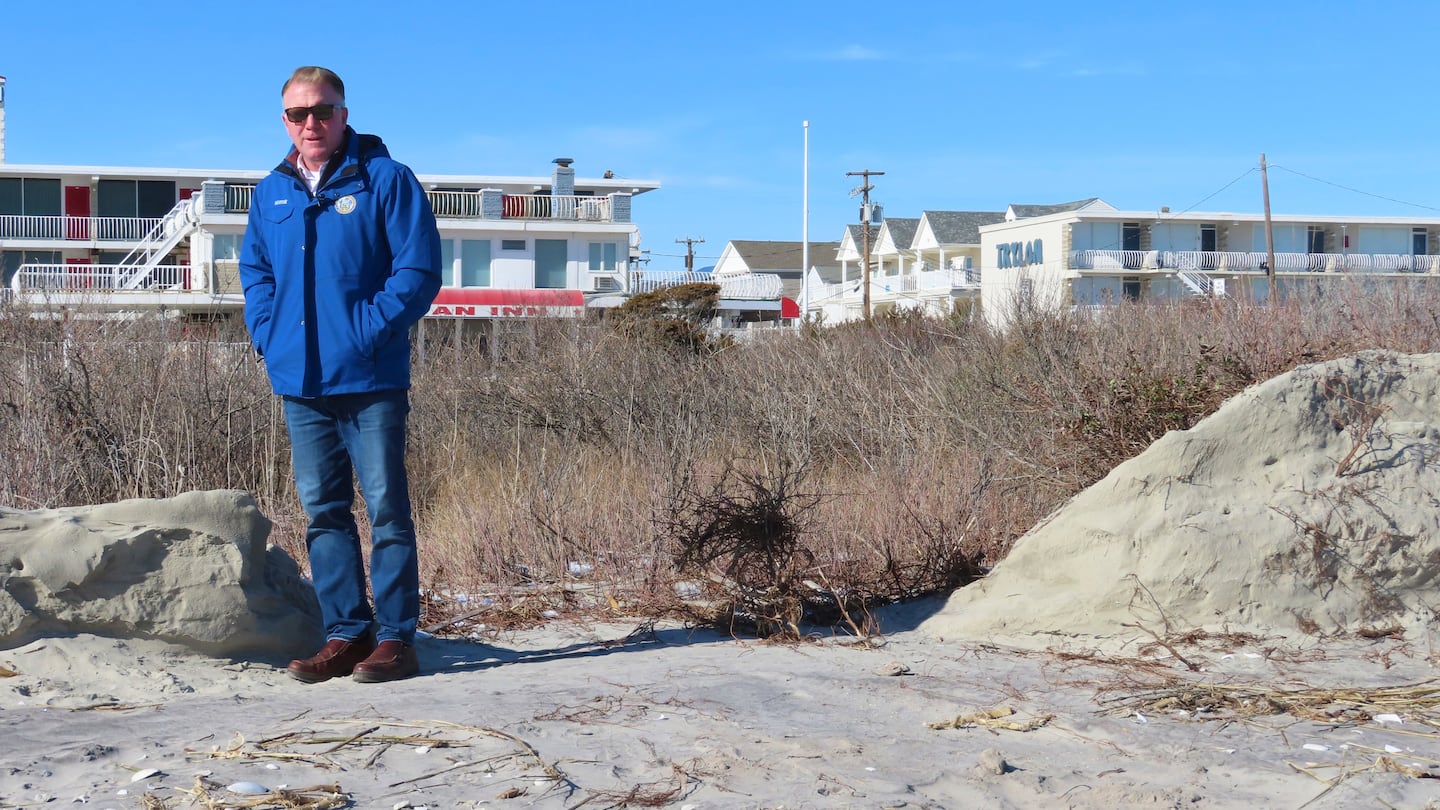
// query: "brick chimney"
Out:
[562,180]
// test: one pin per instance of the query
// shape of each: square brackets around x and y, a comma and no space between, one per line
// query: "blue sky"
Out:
[964,106]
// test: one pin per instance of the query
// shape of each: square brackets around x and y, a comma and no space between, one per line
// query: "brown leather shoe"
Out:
[391,661]
[338,657]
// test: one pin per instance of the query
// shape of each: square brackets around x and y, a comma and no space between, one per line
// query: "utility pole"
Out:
[1269,233]
[864,190]
[690,251]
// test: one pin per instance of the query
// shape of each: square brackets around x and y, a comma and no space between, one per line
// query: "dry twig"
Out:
[993,718]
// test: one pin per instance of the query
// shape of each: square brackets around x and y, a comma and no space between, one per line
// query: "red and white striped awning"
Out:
[458,302]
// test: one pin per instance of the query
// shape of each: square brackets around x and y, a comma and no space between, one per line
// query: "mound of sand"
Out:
[192,570]
[1305,505]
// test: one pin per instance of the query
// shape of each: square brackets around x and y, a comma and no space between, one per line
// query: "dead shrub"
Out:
[745,531]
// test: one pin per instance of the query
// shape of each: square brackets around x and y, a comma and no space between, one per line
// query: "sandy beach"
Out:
[634,715]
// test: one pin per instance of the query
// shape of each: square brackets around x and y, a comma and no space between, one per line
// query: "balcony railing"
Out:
[931,280]
[107,278]
[79,229]
[1236,261]
[934,282]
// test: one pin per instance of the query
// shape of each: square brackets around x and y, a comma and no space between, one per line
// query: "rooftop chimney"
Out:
[2,119]
[562,180]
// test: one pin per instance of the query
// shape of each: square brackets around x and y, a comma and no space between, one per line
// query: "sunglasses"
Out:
[322,112]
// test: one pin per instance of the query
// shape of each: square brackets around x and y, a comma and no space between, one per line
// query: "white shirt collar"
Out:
[312,179]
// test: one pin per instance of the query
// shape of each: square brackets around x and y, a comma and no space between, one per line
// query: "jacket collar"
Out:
[346,153]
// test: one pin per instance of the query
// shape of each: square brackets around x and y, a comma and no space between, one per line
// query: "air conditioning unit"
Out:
[604,284]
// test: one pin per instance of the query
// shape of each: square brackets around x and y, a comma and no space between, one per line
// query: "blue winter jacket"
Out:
[333,282]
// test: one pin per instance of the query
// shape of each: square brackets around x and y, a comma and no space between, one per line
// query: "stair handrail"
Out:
[1190,273]
[152,249]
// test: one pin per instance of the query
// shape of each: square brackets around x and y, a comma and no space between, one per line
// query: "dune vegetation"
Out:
[616,466]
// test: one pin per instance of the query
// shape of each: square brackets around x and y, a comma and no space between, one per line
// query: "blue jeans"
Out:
[332,438]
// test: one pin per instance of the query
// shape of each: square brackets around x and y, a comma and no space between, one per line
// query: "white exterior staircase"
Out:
[1192,276]
[168,233]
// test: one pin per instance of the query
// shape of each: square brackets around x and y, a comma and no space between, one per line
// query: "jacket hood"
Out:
[366,145]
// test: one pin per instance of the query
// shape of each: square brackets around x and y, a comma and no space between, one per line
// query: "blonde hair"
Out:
[311,74]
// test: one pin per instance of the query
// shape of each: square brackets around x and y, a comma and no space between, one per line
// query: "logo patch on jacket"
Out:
[345,204]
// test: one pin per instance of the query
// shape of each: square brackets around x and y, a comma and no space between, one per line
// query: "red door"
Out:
[81,274]
[77,212]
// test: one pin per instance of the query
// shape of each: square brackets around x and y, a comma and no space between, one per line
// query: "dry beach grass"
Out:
[581,468]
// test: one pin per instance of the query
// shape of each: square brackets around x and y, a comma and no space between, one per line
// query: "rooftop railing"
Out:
[237,198]
[449,204]
[748,287]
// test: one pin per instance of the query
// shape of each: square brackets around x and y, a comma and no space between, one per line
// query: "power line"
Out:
[1216,192]
[1356,190]
[1193,206]
[680,255]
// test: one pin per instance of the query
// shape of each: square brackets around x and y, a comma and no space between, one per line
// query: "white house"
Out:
[926,264]
[951,240]
[761,260]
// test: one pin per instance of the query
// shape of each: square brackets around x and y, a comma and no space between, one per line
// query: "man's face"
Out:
[315,139]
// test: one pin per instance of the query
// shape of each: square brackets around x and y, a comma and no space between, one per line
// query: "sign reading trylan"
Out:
[1019,254]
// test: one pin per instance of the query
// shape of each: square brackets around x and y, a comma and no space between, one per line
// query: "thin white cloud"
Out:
[1041,60]
[850,53]
[1062,64]
[1093,71]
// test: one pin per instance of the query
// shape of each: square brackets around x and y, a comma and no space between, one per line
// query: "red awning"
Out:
[486,302]
[788,307]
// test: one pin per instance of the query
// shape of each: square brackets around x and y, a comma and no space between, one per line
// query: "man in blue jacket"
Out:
[341,258]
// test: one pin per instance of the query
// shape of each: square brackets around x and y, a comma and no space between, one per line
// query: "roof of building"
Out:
[1027,211]
[769,257]
[855,234]
[902,230]
[960,227]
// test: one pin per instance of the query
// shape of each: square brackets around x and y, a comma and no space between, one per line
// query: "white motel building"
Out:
[1088,254]
[126,239]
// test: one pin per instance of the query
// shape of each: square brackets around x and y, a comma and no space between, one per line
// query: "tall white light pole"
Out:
[805,233]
